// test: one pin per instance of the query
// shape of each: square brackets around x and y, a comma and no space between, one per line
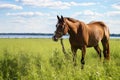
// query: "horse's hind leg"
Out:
[106,50]
[97,48]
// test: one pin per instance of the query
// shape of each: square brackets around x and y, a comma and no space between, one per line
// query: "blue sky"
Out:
[39,16]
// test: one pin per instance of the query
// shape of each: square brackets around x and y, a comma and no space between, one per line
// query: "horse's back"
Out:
[99,25]
[102,24]
[97,31]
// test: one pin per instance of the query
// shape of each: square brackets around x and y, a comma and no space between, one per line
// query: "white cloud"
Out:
[83,4]
[113,25]
[116,6]
[113,22]
[10,6]
[33,24]
[18,21]
[16,0]
[28,14]
[113,13]
[95,15]
[53,3]
[87,13]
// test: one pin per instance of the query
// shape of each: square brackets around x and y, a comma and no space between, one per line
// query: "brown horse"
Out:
[83,35]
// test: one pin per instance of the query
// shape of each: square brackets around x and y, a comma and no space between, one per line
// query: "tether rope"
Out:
[63,48]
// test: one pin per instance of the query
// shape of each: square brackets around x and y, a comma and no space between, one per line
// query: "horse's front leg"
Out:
[83,56]
[74,50]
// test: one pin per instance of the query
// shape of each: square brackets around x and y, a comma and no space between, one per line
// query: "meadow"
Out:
[43,59]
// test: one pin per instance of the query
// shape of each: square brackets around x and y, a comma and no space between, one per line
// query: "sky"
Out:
[39,16]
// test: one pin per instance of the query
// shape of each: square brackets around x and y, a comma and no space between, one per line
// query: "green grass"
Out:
[42,59]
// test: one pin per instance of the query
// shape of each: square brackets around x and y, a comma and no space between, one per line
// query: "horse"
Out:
[82,36]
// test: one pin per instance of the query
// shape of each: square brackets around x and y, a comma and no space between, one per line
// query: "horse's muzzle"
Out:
[55,38]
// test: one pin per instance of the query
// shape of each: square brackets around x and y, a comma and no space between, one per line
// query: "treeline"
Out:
[50,34]
[116,35]
[26,33]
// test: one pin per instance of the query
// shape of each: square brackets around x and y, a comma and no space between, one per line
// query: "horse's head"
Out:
[61,28]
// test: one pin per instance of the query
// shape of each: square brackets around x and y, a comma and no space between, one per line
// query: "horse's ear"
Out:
[58,17]
[62,18]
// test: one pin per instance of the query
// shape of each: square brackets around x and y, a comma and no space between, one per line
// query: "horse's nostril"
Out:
[55,38]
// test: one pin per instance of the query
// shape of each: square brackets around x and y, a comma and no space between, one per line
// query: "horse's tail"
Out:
[105,41]
[106,30]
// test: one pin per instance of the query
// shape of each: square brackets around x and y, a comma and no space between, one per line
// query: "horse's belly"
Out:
[93,42]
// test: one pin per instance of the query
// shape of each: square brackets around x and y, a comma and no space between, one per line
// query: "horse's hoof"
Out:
[82,67]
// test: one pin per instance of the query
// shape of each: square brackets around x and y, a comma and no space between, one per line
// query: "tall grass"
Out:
[42,59]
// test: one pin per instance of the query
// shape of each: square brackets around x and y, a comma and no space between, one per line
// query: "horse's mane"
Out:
[71,19]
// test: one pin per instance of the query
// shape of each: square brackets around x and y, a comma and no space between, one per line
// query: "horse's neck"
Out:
[72,27]
[77,29]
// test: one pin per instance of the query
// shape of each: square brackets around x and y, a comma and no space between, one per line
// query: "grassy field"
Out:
[42,59]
